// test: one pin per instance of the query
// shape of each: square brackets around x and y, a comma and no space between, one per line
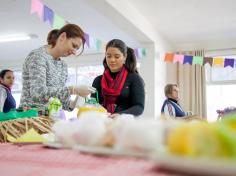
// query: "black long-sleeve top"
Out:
[132,96]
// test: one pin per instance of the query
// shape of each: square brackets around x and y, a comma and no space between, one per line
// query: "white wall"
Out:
[85,59]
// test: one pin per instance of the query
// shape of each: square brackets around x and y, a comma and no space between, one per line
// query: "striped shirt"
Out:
[44,77]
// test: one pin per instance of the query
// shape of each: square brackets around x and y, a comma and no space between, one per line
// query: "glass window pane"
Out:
[71,79]
[225,98]
[223,74]
[17,86]
[221,82]
[17,98]
[86,74]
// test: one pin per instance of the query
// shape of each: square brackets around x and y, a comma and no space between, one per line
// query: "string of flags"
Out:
[194,60]
[56,21]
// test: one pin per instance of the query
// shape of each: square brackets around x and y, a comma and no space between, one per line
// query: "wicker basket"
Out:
[17,127]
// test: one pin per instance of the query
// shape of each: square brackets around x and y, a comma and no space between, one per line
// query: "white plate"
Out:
[53,145]
[99,150]
[196,166]
[108,151]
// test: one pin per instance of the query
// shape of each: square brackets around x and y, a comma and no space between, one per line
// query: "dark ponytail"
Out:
[130,63]
[3,73]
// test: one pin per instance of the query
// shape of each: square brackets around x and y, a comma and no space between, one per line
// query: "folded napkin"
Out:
[31,136]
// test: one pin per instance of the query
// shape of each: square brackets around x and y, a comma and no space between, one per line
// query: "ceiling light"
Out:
[17,37]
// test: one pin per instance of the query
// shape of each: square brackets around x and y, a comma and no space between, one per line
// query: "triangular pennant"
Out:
[139,52]
[98,44]
[86,36]
[48,15]
[207,60]
[218,61]
[58,22]
[169,57]
[188,60]
[197,60]
[136,52]
[144,53]
[178,58]
[37,7]
[92,42]
[229,62]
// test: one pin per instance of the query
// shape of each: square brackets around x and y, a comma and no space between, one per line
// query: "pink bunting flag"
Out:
[37,7]
[178,58]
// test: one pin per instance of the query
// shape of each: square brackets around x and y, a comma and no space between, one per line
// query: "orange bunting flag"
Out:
[169,57]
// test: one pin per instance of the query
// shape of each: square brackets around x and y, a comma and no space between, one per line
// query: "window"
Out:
[17,87]
[86,74]
[71,79]
[221,85]
[78,75]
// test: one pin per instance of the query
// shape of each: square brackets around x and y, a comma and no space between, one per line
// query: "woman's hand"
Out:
[82,91]
[113,116]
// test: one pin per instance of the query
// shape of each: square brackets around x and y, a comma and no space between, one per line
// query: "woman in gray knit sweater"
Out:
[44,73]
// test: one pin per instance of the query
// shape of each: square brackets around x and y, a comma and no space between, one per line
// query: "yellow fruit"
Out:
[86,109]
[202,139]
[177,140]
[230,121]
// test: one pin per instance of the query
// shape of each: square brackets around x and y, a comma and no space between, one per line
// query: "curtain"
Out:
[192,85]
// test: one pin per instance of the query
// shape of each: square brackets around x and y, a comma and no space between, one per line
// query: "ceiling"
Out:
[16,18]
[195,24]
[209,24]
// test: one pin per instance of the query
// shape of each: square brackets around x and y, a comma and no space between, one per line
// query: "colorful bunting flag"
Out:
[58,22]
[178,58]
[136,52]
[187,59]
[144,53]
[48,15]
[98,45]
[229,62]
[218,61]
[197,60]
[92,42]
[139,52]
[208,60]
[86,36]
[169,57]
[37,7]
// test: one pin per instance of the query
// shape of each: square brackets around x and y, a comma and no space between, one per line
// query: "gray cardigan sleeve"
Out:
[39,90]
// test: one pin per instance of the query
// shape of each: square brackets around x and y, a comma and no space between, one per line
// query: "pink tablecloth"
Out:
[36,160]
